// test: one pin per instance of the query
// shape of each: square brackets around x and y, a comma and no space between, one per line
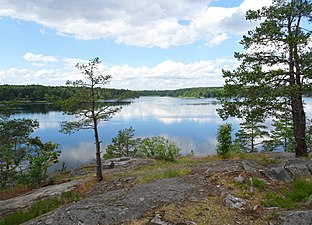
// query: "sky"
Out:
[142,44]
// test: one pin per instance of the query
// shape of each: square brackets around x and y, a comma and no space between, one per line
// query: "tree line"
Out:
[196,92]
[40,93]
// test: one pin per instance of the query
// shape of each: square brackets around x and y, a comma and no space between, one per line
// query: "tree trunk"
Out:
[299,121]
[99,175]
[299,117]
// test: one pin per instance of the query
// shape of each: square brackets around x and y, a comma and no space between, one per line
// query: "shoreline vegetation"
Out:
[51,94]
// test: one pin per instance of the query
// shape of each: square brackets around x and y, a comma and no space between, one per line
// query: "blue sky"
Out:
[143,44]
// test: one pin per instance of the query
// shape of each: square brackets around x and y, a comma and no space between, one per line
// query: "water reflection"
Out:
[171,110]
[191,123]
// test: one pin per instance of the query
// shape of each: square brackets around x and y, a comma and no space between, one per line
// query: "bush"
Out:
[224,140]
[154,147]
[158,148]
[124,144]
[41,156]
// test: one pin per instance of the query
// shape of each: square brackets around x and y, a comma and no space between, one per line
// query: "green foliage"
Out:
[91,105]
[39,208]
[224,140]
[275,68]
[39,93]
[41,156]
[154,147]
[250,130]
[158,148]
[299,192]
[123,145]
[200,92]
[281,136]
[21,155]
[257,183]
[309,135]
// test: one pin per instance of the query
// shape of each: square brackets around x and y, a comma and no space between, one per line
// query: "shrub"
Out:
[124,144]
[224,140]
[154,147]
[158,148]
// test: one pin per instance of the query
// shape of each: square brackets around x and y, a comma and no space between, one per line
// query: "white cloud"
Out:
[39,60]
[219,38]
[70,63]
[166,75]
[146,23]
[252,4]
[170,74]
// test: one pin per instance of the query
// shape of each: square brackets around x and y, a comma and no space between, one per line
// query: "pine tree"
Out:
[275,66]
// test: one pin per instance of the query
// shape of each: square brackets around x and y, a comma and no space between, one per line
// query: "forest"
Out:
[40,93]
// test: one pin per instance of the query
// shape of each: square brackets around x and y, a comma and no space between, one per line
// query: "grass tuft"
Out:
[299,192]
[38,208]
[165,174]
[257,183]
[14,191]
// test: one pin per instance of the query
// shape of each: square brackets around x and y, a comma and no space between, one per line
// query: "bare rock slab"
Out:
[119,206]
[27,200]
[277,173]
[296,218]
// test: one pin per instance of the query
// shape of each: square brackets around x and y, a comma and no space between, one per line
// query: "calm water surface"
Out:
[190,123]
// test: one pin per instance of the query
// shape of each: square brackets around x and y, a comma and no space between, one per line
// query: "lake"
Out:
[190,123]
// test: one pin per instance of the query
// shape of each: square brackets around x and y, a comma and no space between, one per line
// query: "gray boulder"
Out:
[234,202]
[277,173]
[295,218]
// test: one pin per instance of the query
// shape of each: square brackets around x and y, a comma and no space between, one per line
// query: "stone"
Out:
[251,167]
[234,202]
[299,169]
[309,201]
[239,179]
[295,217]
[110,165]
[157,220]
[277,173]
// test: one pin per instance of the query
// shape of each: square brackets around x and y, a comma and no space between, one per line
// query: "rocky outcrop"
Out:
[119,206]
[295,218]
[122,199]
[26,200]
